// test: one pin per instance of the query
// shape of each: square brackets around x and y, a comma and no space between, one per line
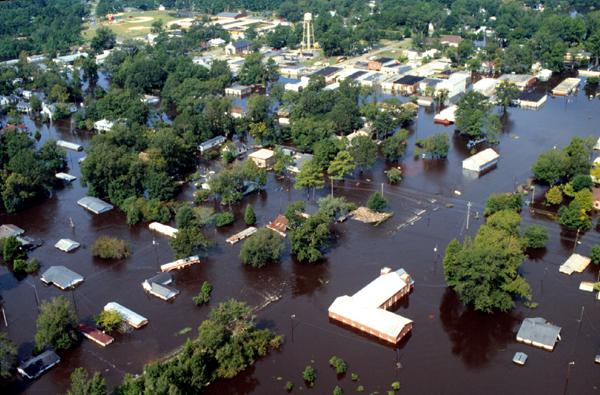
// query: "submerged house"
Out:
[481,161]
[279,225]
[157,286]
[367,309]
[538,332]
[61,277]
[34,367]
[94,204]
[130,317]
[95,335]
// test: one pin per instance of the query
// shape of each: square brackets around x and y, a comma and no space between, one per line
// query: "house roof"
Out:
[575,263]
[327,71]
[538,332]
[262,153]
[279,224]
[409,80]
[35,366]
[381,289]
[241,44]
[129,316]
[8,230]
[61,276]
[94,204]
[96,335]
[533,96]
[66,245]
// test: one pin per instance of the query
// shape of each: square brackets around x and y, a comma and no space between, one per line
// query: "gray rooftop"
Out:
[94,205]
[8,230]
[61,276]
[539,333]
[34,367]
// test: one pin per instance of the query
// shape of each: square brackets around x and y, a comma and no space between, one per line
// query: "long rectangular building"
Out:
[366,310]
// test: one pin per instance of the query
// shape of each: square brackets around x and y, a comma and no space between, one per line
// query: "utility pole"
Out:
[155,244]
[4,315]
[331,179]
[532,195]
[468,213]
[572,363]
[382,189]
[292,325]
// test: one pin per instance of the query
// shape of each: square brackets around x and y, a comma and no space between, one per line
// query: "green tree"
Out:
[554,196]
[109,320]
[395,146]
[309,375]
[186,217]
[310,238]
[338,364]
[249,215]
[582,181]
[341,165]
[394,175]
[337,390]
[56,324]
[574,216]
[506,94]
[435,146]
[364,152]
[188,241]
[503,201]
[104,39]
[12,249]
[224,218]
[106,247]
[473,116]
[550,167]
[8,355]
[261,248]
[535,236]
[377,202]
[204,295]
[82,384]
[310,176]
[595,254]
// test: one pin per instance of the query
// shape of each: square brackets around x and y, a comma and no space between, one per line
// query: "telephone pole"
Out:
[468,213]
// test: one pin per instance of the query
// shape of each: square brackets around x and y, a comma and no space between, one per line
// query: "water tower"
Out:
[308,33]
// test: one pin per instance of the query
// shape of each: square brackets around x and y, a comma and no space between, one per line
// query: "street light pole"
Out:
[572,363]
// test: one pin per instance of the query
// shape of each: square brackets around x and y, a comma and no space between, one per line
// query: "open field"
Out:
[135,24]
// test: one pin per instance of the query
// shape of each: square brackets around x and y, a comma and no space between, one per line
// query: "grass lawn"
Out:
[131,24]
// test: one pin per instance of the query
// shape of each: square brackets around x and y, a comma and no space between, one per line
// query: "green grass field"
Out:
[131,24]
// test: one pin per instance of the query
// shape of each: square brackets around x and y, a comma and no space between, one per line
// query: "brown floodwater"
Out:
[451,349]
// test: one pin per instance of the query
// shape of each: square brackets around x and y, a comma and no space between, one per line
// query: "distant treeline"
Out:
[37,26]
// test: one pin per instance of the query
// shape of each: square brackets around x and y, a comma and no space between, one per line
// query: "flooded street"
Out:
[450,350]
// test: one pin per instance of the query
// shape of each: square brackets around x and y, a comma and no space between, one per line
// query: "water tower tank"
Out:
[308,16]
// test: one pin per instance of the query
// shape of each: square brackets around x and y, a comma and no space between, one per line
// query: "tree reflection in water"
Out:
[476,337]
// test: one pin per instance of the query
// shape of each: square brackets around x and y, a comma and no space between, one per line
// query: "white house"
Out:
[49,110]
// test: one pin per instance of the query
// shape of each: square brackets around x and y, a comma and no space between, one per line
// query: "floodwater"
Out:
[450,350]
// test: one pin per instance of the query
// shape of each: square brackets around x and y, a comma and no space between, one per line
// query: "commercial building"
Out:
[367,310]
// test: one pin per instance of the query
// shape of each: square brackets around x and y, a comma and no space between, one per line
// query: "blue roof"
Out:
[241,44]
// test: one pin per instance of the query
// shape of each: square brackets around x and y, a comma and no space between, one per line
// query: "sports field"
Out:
[136,24]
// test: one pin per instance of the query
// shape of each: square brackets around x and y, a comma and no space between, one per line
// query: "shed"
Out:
[129,316]
[538,332]
[263,158]
[279,225]
[94,204]
[575,263]
[163,229]
[61,277]
[586,286]
[65,177]
[520,358]
[34,367]
[95,335]
[69,145]
[481,161]
[67,245]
